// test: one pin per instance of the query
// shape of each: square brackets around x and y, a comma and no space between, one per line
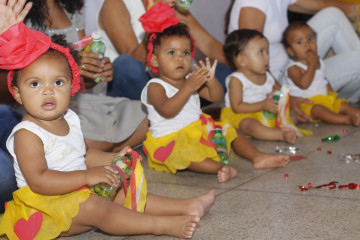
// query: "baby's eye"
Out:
[34,84]
[186,53]
[261,52]
[171,52]
[299,42]
[59,82]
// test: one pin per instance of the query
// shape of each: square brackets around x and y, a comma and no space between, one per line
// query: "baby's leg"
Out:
[259,159]
[224,172]
[321,112]
[351,111]
[118,220]
[255,129]
[159,205]
[196,206]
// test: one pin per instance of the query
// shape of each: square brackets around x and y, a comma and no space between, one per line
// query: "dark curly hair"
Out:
[180,30]
[236,42]
[39,11]
[60,40]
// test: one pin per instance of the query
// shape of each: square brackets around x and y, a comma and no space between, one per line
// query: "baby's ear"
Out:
[290,52]
[17,94]
[154,61]
[239,60]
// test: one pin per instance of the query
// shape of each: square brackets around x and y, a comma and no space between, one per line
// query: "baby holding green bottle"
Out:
[251,104]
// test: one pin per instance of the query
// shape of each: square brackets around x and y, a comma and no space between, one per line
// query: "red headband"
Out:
[158,18]
[20,47]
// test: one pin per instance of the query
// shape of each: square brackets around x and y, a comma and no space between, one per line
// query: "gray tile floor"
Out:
[263,204]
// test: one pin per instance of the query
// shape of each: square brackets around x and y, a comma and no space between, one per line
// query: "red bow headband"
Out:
[20,46]
[158,18]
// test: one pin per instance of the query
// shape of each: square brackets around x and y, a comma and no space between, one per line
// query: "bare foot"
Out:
[289,135]
[226,173]
[355,120]
[200,205]
[265,160]
[176,226]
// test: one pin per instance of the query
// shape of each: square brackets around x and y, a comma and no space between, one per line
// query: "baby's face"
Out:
[173,57]
[44,87]
[302,41]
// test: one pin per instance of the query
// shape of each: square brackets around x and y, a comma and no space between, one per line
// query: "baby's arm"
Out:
[29,150]
[303,78]
[169,107]
[97,158]
[212,90]
[238,106]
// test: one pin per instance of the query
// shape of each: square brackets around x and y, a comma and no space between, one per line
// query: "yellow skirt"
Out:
[329,101]
[34,216]
[177,150]
[228,115]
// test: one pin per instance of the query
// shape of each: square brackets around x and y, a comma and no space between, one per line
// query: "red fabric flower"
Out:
[20,47]
[158,18]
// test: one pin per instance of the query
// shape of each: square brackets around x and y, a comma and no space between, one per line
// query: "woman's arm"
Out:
[206,43]
[115,20]
[252,18]
[312,6]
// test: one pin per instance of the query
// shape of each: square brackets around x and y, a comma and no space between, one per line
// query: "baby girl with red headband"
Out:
[180,135]
[53,166]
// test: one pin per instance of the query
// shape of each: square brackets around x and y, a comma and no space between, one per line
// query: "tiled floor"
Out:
[263,204]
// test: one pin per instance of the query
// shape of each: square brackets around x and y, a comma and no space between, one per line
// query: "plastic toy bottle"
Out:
[184,4]
[105,190]
[270,115]
[330,138]
[220,143]
[97,46]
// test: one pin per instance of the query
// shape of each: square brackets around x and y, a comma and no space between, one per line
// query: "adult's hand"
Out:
[11,12]
[295,107]
[90,68]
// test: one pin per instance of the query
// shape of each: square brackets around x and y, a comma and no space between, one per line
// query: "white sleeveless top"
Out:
[92,9]
[62,153]
[160,126]
[317,87]
[252,92]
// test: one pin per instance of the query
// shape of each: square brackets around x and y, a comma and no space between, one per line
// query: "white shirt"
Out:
[160,126]
[62,153]
[251,92]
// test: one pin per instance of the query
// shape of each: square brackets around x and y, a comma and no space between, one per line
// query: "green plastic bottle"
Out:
[105,190]
[184,4]
[270,115]
[97,46]
[330,138]
[220,143]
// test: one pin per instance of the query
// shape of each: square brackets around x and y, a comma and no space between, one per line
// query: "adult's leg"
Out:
[8,119]
[7,179]
[129,78]
[334,31]
[221,72]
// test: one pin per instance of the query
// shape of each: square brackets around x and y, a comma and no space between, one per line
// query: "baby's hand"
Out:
[105,174]
[123,151]
[312,58]
[270,105]
[197,78]
[208,66]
